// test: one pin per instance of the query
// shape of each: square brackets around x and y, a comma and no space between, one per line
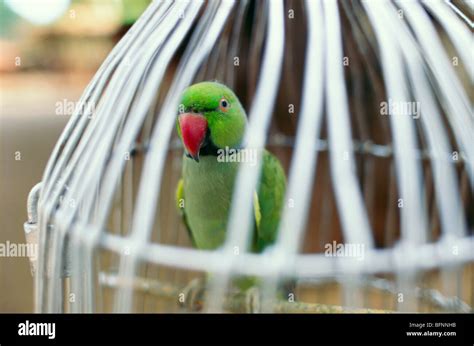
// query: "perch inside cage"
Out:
[365,104]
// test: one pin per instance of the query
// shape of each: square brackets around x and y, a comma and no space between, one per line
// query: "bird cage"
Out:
[367,104]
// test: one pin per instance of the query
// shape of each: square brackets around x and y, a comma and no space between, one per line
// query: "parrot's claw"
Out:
[252,300]
[193,295]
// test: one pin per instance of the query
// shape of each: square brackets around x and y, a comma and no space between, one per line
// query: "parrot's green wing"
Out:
[180,205]
[268,203]
[256,210]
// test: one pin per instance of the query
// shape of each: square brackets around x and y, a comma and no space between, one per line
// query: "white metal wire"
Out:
[240,218]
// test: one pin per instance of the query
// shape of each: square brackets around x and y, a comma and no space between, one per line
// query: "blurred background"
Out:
[49,50]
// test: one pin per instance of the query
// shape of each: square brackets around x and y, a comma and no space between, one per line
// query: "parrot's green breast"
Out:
[208,187]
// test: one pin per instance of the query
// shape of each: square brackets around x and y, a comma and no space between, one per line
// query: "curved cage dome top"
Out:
[367,106]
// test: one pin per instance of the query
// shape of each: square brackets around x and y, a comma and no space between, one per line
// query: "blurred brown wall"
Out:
[28,125]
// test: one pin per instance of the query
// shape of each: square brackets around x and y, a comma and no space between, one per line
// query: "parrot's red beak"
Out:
[193,131]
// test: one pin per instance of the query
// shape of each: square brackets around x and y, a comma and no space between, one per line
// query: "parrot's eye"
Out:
[224,105]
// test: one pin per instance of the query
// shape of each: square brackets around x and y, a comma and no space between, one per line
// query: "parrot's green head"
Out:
[210,118]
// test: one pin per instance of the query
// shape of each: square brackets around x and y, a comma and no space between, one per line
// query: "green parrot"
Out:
[210,120]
